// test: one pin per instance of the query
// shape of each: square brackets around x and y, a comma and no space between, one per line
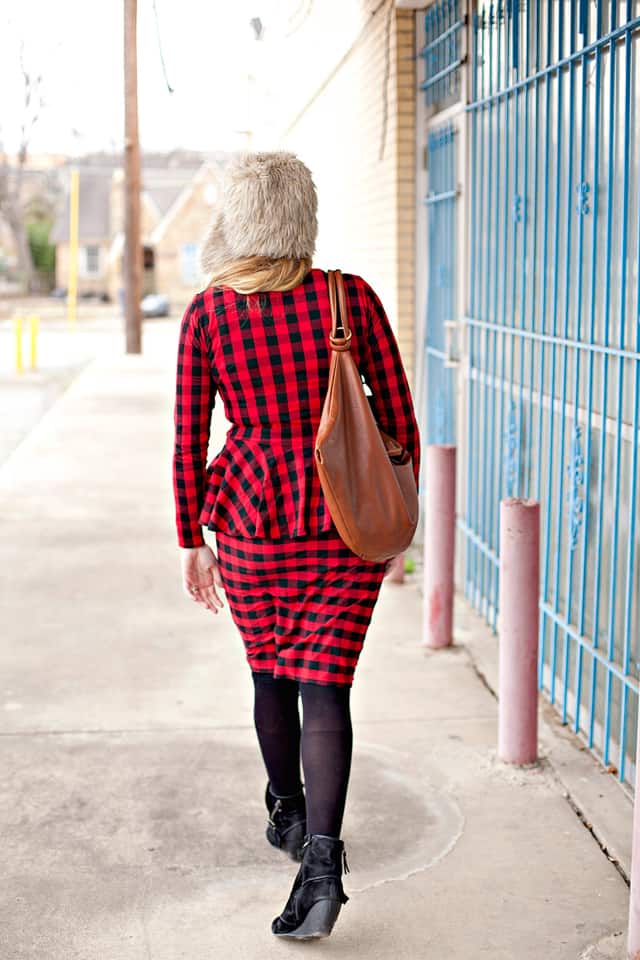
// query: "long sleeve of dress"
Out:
[384,373]
[194,402]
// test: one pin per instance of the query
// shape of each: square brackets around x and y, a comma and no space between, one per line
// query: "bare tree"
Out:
[13,201]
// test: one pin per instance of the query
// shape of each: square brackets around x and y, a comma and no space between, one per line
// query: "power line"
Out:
[300,14]
[159,38]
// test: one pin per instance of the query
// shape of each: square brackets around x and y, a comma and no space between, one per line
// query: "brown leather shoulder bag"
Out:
[366,475]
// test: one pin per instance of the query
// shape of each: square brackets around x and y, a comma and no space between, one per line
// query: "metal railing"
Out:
[441,305]
[552,365]
[443,23]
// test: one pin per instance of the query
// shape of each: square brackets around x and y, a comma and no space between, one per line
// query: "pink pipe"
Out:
[439,543]
[518,648]
[633,937]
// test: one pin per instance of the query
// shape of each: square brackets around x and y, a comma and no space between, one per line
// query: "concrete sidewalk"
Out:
[131,802]
[62,351]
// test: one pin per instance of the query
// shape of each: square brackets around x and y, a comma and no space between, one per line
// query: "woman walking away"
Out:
[258,336]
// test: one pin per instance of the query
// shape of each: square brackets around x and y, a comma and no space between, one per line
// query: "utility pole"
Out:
[132,263]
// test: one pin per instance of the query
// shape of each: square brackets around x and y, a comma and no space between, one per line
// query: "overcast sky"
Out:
[208,47]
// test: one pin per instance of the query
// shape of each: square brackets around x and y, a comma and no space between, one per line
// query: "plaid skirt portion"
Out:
[302,605]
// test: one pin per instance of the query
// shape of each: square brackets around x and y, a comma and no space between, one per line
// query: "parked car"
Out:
[155,305]
[61,293]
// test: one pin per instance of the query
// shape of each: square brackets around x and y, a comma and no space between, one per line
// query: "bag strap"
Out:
[339,314]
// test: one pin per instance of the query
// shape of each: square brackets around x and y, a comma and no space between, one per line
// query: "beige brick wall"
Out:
[356,131]
[405,128]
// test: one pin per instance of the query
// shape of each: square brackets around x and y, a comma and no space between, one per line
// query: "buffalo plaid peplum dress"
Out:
[300,598]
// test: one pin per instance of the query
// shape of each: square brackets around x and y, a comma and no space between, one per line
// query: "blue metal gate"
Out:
[552,382]
[442,58]
[441,303]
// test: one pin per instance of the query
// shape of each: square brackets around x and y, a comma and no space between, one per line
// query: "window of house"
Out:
[189,268]
[91,259]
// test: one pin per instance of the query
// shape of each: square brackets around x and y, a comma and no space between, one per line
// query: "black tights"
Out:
[325,743]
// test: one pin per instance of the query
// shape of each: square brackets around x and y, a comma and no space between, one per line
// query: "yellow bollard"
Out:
[74,215]
[17,327]
[34,324]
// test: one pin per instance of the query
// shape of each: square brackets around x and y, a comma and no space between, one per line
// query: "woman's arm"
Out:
[384,372]
[194,402]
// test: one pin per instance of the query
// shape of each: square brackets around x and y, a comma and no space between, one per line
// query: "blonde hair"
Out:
[260,274]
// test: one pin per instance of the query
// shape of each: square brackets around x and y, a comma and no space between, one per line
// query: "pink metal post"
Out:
[396,574]
[633,940]
[518,648]
[439,541]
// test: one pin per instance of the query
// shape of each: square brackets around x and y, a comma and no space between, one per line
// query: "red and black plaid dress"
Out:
[301,599]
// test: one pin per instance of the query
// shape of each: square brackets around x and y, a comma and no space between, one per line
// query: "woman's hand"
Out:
[201,576]
[389,565]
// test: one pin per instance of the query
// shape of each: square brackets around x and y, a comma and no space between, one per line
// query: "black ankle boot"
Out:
[317,894]
[287,822]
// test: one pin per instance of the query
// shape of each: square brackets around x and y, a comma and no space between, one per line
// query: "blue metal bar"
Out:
[482,231]
[437,354]
[576,502]
[454,309]
[622,314]
[633,485]
[543,303]
[492,123]
[605,371]
[486,462]
[455,53]
[597,124]
[546,586]
[502,202]
[438,52]
[518,225]
[448,19]
[515,35]
[440,197]
[472,300]
[584,16]
[428,18]
[582,345]
[543,309]
[445,86]
[427,84]
[442,38]
[524,220]
[531,205]
[563,377]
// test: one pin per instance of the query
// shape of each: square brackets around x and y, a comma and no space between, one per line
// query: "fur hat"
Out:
[267,208]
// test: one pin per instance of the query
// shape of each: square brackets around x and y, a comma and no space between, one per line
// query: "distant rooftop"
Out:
[163,183]
[95,209]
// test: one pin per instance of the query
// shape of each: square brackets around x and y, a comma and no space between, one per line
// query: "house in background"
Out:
[94,232]
[176,209]
[177,237]
[32,189]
